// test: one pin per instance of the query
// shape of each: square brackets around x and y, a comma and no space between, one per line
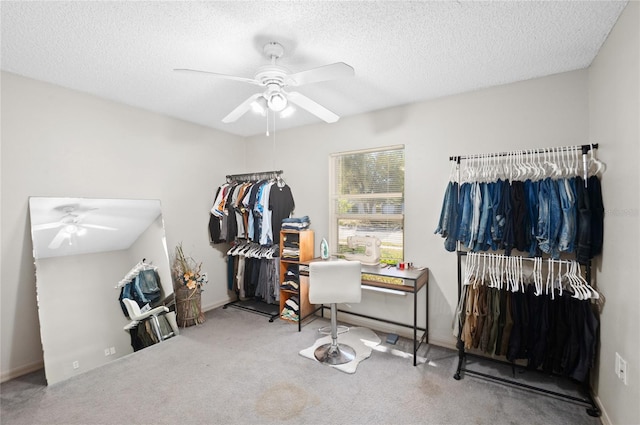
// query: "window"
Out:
[367,199]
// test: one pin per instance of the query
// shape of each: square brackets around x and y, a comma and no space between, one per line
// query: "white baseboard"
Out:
[215,305]
[604,418]
[21,370]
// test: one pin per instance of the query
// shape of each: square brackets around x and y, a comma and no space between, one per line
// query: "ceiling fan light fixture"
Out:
[277,102]
[287,112]
[71,228]
[259,106]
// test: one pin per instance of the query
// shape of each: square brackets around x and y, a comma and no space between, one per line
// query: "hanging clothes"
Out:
[141,284]
[554,331]
[253,271]
[282,205]
[251,210]
[550,214]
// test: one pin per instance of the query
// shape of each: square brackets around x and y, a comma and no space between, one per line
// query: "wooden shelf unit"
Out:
[306,246]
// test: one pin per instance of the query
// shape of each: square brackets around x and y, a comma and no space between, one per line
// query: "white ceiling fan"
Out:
[70,225]
[277,79]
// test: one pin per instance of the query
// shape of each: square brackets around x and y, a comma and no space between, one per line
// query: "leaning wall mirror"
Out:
[83,249]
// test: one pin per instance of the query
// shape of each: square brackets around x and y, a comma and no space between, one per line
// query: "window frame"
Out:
[334,217]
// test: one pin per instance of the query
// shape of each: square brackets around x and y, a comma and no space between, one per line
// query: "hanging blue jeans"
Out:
[445,212]
[498,219]
[448,224]
[452,223]
[466,204]
[549,216]
[531,189]
[542,234]
[567,232]
[486,209]
[508,237]
[476,200]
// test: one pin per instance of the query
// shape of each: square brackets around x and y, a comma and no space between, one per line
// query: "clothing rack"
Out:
[261,175]
[251,305]
[587,400]
[584,148]
[253,250]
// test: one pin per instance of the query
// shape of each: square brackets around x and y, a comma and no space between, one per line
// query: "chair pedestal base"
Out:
[334,354]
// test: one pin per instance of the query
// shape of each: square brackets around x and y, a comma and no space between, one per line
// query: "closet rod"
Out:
[255,176]
[583,148]
[480,254]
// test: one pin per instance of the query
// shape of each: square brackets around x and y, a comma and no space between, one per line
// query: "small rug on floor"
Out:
[360,339]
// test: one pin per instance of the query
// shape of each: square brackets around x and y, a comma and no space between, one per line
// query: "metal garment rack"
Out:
[588,400]
[253,305]
[260,175]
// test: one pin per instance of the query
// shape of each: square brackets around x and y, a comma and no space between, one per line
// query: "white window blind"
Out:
[367,198]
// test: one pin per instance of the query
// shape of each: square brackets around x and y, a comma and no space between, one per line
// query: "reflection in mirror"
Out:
[83,250]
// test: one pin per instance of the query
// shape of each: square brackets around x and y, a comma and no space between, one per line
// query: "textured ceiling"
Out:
[403,52]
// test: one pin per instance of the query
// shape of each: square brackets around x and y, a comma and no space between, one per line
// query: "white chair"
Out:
[137,316]
[333,282]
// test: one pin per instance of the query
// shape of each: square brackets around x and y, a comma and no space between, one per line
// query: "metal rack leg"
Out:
[460,346]
[594,410]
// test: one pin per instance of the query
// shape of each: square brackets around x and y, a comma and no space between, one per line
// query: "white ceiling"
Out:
[403,52]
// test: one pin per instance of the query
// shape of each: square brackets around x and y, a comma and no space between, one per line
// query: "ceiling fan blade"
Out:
[316,109]
[46,226]
[241,109]
[58,239]
[97,226]
[226,77]
[322,73]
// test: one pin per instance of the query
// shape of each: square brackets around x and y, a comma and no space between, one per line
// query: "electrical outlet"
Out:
[76,364]
[106,351]
[623,370]
[112,350]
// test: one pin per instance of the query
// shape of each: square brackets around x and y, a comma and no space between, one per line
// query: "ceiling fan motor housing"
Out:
[273,78]
[273,50]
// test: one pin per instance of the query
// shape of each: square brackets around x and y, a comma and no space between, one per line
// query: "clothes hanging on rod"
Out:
[252,272]
[553,330]
[535,205]
[250,206]
[141,284]
[135,270]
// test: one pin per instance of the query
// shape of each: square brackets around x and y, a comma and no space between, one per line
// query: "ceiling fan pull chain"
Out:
[267,122]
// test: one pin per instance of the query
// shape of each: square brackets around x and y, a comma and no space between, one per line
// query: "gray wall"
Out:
[544,112]
[57,142]
[614,121]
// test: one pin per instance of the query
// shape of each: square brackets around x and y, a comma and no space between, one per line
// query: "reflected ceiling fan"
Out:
[70,225]
[276,80]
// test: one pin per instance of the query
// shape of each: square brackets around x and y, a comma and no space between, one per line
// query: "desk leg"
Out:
[426,310]
[415,327]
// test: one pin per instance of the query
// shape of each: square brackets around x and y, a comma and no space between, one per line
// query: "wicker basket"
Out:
[188,307]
